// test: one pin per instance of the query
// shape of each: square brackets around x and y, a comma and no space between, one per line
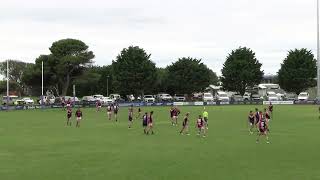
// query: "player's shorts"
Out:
[116,112]
[78,118]
[130,118]
[68,105]
[68,116]
[205,119]
[174,117]
[109,112]
[98,106]
[262,130]
[150,124]
[144,124]
[251,122]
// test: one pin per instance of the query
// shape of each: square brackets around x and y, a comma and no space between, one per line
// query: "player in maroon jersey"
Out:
[200,126]
[145,122]
[270,108]
[130,116]
[171,115]
[69,114]
[251,121]
[175,113]
[69,103]
[185,125]
[263,128]
[267,115]
[150,123]
[79,117]
[115,111]
[109,111]
[98,105]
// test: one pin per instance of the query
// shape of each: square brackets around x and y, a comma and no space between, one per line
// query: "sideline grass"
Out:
[35,144]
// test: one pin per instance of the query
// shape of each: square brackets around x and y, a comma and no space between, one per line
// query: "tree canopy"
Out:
[17,69]
[134,72]
[241,70]
[188,75]
[298,71]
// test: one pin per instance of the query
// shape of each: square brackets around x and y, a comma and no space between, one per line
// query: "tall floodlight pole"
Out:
[108,86]
[7,84]
[318,53]
[42,83]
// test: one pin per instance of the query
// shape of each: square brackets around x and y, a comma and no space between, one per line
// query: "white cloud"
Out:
[166,29]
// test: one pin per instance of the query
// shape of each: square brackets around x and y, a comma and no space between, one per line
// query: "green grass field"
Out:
[36,145]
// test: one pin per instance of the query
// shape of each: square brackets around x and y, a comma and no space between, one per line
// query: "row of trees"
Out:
[133,72]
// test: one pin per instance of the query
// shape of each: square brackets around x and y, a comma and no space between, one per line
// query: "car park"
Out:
[149,98]
[303,96]
[47,100]
[222,96]
[272,96]
[107,100]
[256,97]
[236,97]
[207,97]
[246,96]
[115,97]
[26,101]
[11,100]
[164,97]
[88,99]
[98,96]
[179,97]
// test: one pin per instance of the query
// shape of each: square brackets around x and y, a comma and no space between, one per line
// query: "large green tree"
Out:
[298,71]
[16,72]
[67,61]
[133,71]
[71,56]
[188,75]
[241,70]
[161,82]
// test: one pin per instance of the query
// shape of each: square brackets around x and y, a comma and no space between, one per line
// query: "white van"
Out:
[222,96]
[207,97]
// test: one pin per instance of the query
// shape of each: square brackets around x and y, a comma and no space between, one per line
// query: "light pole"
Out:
[318,53]
[108,86]
[42,84]
[7,84]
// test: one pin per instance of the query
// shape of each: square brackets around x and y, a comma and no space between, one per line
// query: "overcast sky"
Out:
[167,29]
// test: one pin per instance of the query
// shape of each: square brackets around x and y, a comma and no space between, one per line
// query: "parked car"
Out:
[88,99]
[115,97]
[291,97]
[236,97]
[164,97]
[272,96]
[47,100]
[12,99]
[247,96]
[149,98]
[179,97]
[131,97]
[98,96]
[303,96]
[26,101]
[207,97]
[222,96]
[256,97]
[107,100]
